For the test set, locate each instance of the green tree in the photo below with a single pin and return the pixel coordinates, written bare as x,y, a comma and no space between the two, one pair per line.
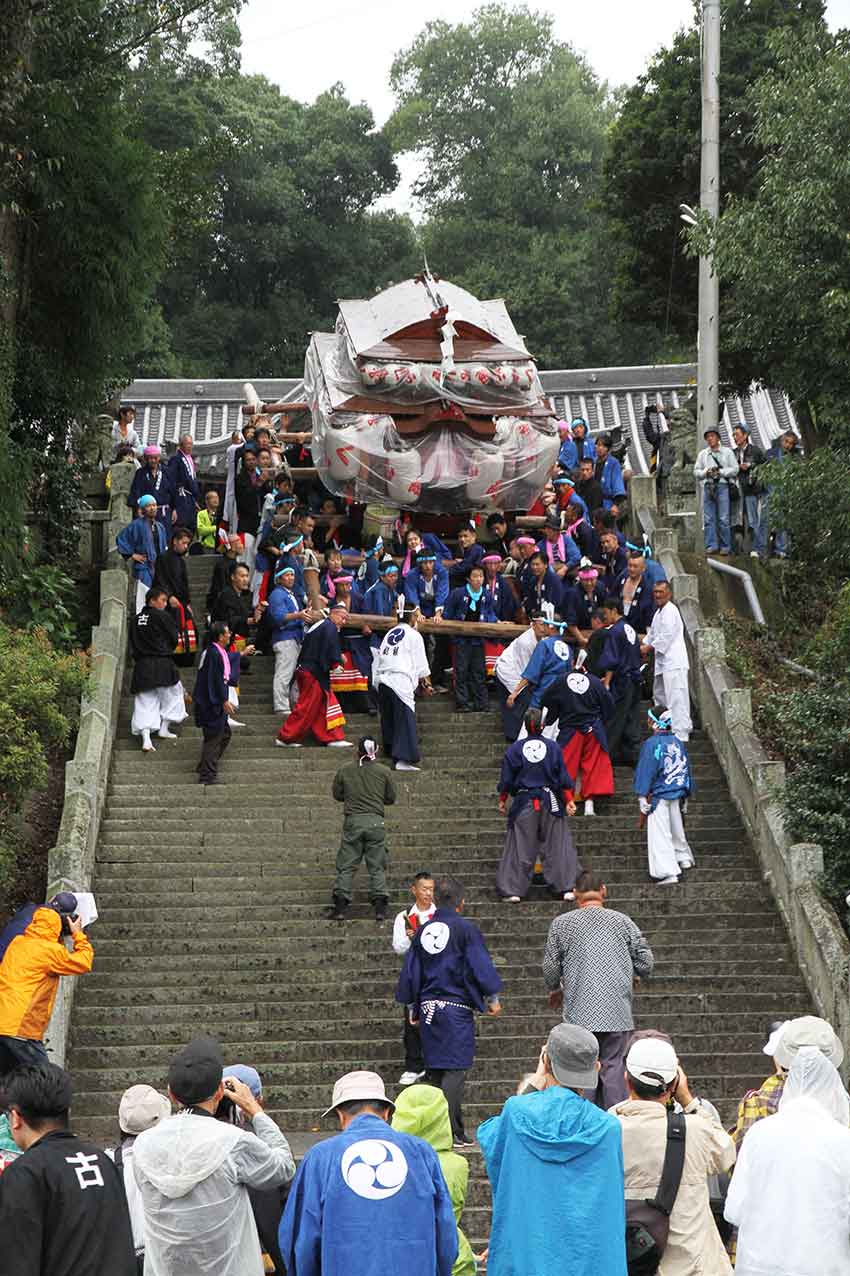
510,127
783,254
273,215
653,160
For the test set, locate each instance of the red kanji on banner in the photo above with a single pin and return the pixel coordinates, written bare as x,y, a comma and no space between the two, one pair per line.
344,454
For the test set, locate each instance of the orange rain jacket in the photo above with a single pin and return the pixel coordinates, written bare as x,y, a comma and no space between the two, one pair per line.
29,974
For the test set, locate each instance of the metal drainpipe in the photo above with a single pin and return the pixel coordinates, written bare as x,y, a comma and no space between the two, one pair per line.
755,607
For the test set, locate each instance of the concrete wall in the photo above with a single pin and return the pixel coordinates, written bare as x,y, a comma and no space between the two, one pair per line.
756,783
70,864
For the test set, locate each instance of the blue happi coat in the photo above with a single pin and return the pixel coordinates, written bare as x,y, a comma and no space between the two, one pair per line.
414,592
551,659
502,598
448,958
187,493
282,604
663,769
142,537
577,607
620,656
555,1164
534,592
461,606
370,1201
568,457
472,556
642,607
533,770
380,599
579,702
160,487
611,479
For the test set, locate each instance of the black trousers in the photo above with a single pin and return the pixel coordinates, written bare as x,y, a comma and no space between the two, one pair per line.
451,1081
512,719
623,729
215,742
413,1061
19,1052
470,674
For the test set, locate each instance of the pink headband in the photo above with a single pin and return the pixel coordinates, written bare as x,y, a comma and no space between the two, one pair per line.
526,540
343,580
589,573
563,427
492,558
152,450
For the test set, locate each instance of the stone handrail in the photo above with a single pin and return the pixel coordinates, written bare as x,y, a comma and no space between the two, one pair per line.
756,783
70,864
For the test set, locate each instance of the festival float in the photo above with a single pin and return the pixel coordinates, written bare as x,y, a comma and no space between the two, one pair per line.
426,399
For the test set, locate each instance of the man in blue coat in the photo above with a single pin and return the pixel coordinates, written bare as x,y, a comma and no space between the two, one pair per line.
371,1201
447,975
210,698
609,472
142,541
550,660
151,479
619,667
540,786
663,782
184,483
555,1164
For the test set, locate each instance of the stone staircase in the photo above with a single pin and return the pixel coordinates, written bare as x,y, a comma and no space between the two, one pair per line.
212,920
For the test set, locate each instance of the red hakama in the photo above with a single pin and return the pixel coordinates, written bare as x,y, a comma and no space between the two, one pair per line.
584,755
317,713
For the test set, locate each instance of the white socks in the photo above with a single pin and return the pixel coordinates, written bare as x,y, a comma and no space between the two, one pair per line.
147,747
588,807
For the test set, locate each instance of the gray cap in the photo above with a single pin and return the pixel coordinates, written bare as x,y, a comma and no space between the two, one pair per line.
366,1087
573,1054
808,1030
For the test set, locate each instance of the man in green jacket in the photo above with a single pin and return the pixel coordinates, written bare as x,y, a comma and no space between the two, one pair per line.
365,787
424,1111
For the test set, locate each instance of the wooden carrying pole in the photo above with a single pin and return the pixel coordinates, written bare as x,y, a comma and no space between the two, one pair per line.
451,628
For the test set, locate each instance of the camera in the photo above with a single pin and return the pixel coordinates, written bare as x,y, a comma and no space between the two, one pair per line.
67,918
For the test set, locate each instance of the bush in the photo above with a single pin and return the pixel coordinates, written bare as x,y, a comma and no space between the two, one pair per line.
44,598
40,691
810,499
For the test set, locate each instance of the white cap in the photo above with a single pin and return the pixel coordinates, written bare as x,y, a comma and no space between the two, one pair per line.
769,1048
808,1030
142,1107
652,1061
363,1087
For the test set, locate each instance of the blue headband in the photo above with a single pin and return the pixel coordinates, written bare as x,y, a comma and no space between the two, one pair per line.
388,567
646,550
660,722
426,558
379,544
293,544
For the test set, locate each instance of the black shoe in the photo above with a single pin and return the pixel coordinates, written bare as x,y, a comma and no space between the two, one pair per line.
463,708
380,910
337,911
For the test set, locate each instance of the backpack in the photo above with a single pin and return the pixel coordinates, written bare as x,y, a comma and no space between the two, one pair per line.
648,1222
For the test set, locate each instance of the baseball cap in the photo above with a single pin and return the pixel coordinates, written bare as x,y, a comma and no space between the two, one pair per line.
775,1032
247,1075
573,1054
63,902
652,1061
712,429
808,1030
196,1071
142,1107
359,1087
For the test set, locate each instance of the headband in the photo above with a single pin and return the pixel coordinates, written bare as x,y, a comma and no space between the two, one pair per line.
293,544
388,567
146,500
343,580
663,721
426,558
589,573
562,479
370,749
281,571
645,550
492,558
526,540
152,450
379,545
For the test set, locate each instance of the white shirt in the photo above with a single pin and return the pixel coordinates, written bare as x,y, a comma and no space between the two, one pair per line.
400,663
193,1173
400,941
722,461
514,659
666,637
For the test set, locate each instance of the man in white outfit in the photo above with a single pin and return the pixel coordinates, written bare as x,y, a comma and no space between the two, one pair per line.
509,670
399,668
666,637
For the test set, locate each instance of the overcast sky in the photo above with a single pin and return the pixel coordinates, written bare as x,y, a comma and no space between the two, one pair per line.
306,48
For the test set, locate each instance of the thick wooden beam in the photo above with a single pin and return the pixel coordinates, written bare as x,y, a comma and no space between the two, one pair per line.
502,631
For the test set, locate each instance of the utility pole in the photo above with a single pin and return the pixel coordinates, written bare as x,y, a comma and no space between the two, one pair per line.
708,338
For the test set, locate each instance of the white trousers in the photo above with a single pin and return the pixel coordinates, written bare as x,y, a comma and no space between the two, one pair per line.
670,689
250,554
285,659
667,845
152,709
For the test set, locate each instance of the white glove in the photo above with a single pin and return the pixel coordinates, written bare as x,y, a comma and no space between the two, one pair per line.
645,806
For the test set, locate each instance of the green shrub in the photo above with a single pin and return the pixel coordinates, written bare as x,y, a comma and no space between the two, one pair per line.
810,499
42,597
40,691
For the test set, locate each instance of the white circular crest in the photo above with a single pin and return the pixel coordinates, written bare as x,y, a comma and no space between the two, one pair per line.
394,637
630,633
374,1168
578,682
534,750
561,650
435,936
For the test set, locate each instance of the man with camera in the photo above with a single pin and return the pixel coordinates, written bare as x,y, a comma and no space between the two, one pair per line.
32,965
716,468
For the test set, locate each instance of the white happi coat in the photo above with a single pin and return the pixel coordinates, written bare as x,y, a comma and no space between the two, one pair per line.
400,663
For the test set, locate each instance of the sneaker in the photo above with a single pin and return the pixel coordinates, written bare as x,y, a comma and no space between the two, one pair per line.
754,553
340,744
234,722
589,808
406,766
164,734
668,881
410,1078
287,744
569,894
513,899
464,1143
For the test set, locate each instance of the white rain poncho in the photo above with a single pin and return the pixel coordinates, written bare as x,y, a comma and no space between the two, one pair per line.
790,1193
192,1173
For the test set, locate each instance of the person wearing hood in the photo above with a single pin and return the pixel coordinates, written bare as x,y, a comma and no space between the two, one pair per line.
555,1164
790,1193
194,1172
32,965
422,1110
372,1200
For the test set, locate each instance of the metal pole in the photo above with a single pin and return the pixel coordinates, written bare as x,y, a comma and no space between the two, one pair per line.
708,366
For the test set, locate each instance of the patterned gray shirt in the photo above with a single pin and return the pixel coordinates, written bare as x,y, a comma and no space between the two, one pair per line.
594,954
